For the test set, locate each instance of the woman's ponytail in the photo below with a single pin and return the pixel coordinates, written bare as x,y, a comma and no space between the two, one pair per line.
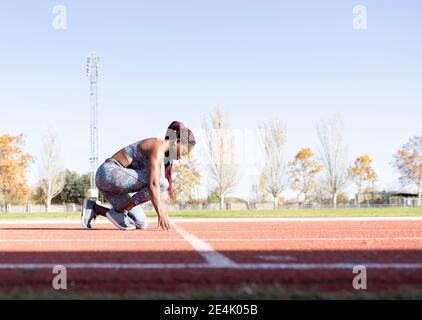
176,131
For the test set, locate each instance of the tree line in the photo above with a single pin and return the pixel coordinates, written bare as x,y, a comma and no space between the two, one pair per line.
312,175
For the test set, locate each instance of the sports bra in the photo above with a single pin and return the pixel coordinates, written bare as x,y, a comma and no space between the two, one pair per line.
137,160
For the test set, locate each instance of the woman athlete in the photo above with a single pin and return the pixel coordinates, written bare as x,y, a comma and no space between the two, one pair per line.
137,169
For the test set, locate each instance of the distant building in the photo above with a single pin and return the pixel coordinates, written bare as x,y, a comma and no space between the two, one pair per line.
400,199
403,199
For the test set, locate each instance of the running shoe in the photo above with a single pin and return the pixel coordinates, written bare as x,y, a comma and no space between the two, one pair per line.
138,216
88,213
120,220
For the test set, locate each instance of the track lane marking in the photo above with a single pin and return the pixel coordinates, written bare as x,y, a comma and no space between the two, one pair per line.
205,250
207,246
237,266
207,220
276,258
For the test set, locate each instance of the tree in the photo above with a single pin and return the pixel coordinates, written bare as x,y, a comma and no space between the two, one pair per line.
333,153
273,179
213,196
186,178
220,145
408,161
75,188
37,195
361,173
14,164
303,170
51,172
342,198
320,196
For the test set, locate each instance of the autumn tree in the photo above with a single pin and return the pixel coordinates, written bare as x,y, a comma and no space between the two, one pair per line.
408,162
52,175
273,178
333,153
220,146
362,173
302,171
186,177
14,163
342,198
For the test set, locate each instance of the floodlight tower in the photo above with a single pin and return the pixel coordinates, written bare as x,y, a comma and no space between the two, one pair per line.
92,69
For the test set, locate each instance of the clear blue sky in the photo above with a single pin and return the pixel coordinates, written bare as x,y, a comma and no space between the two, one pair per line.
300,61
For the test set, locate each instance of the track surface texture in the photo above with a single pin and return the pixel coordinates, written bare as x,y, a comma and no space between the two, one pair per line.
316,255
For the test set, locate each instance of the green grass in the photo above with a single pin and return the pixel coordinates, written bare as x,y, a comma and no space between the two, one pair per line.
355,212
52,215
247,292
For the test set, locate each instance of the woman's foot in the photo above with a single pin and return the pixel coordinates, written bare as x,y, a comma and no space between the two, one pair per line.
120,220
88,213
138,216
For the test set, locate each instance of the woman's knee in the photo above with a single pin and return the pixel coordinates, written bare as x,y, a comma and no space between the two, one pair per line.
105,179
143,195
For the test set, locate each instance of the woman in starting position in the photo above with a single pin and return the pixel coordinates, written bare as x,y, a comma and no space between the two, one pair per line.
137,169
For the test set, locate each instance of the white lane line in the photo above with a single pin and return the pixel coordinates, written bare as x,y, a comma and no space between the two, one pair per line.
299,219
207,220
88,240
51,221
205,250
276,258
238,266
320,239
325,239
327,266
214,240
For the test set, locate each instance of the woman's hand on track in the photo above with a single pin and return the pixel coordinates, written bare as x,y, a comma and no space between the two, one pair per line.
164,223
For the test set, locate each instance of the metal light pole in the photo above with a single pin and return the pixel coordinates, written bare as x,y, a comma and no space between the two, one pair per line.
92,68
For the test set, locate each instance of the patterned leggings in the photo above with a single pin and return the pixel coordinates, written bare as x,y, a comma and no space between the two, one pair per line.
118,183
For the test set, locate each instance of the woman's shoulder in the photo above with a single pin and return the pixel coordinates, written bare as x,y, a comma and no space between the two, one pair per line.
148,145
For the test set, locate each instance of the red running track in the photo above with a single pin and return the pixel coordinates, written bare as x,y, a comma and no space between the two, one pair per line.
213,255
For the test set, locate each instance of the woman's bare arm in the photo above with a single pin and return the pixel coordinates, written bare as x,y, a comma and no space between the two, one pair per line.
155,161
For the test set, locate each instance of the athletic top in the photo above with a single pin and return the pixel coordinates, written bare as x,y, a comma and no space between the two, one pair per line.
137,160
